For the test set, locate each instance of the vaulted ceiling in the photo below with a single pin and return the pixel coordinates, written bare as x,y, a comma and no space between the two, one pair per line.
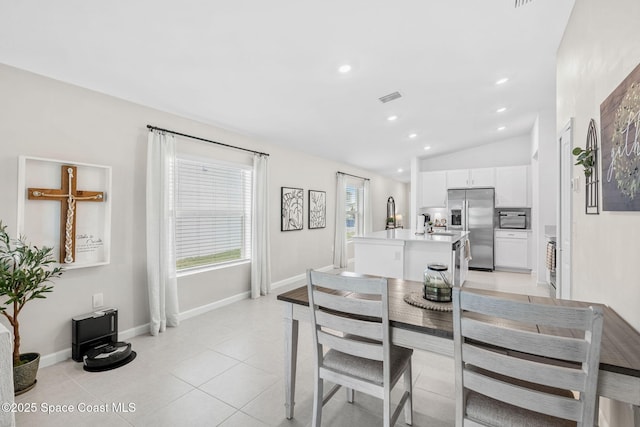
270,69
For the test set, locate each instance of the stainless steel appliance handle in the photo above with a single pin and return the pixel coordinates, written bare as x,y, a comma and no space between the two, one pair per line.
465,209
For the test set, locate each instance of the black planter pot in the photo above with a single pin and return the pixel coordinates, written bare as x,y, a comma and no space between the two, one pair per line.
24,375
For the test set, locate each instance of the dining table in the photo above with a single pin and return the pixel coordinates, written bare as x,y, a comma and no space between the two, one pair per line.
432,330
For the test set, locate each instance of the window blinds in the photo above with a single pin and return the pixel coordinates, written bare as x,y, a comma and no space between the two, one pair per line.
213,213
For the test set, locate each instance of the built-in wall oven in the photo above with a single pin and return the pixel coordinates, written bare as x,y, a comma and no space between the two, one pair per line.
513,219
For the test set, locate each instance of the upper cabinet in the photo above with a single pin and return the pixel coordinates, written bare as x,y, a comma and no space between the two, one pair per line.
458,178
512,187
483,177
512,184
433,189
469,178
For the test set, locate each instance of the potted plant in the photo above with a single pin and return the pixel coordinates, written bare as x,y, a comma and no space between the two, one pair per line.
25,274
585,157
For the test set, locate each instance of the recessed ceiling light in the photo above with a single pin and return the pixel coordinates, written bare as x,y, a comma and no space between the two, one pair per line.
501,81
427,147
400,170
392,118
413,135
344,68
501,110
502,128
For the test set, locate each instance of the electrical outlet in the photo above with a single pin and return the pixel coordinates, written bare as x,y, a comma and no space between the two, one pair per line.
98,300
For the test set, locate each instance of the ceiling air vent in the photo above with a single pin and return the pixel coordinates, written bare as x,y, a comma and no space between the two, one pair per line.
521,2
390,97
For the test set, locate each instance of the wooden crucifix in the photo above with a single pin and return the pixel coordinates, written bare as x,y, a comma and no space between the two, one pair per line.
67,195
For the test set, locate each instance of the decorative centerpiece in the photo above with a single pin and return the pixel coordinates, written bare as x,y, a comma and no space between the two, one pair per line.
24,273
437,286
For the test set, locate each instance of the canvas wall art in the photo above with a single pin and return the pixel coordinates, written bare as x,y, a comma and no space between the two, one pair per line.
620,120
317,209
292,204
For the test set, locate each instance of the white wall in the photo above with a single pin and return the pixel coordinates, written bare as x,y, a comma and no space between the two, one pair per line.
508,152
42,117
545,183
599,49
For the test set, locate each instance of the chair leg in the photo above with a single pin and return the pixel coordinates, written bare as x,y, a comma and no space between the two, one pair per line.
386,405
408,387
317,402
350,394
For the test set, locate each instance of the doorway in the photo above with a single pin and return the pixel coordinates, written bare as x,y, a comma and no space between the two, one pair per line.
565,213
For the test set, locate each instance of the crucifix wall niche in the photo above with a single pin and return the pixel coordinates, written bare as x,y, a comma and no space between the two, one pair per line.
68,196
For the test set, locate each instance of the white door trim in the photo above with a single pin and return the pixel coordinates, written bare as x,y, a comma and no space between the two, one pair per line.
565,213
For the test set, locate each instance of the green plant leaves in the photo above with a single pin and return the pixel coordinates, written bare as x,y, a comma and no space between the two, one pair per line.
586,158
25,273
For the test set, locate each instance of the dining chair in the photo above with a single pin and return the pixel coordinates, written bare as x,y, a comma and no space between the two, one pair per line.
352,343
524,364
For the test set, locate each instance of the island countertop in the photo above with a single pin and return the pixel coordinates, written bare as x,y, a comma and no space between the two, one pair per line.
402,254
407,235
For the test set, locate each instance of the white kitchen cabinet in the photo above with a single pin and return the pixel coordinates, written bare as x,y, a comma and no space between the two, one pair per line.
433,189
512,249
469,178
482,177
458,178
512,187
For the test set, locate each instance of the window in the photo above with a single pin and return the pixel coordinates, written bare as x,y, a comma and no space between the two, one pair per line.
213,213
354,210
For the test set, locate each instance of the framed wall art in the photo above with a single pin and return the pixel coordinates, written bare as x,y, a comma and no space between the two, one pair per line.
292,207
317,209
620,121
66,205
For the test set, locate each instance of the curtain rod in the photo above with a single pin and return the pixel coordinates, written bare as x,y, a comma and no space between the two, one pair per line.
205,140
355,176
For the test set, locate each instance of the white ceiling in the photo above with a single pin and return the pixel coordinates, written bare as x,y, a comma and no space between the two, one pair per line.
268,69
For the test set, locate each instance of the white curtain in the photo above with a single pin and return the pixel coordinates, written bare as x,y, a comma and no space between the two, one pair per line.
260,261
161,263
367,206
340,240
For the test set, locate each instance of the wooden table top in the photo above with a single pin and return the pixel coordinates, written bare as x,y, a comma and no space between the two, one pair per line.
620,347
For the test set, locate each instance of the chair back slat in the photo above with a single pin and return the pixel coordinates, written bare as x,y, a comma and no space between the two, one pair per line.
500,352
556,406
537,314
528,370
349,305
362,285
360,328
373,351
564,348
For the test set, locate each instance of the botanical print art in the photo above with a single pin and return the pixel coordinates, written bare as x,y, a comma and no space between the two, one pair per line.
317,209
620,118
292,208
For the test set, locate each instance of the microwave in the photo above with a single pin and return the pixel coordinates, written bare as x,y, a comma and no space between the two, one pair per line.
513,219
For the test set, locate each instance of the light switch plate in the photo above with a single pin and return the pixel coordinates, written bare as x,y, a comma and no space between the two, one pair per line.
98,300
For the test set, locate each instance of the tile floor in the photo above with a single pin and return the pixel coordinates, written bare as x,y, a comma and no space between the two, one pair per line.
225,368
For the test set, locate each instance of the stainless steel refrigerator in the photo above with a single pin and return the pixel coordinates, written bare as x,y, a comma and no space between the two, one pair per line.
473,209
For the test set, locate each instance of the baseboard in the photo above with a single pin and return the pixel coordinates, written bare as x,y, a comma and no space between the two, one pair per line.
53,358
298,278
212,306
513,270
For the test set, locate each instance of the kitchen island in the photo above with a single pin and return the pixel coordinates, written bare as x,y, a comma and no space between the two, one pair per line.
402,254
